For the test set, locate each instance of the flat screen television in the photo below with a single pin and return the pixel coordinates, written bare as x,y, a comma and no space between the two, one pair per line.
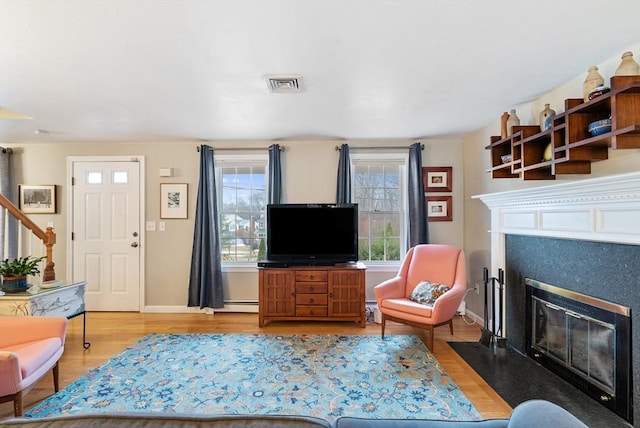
312,234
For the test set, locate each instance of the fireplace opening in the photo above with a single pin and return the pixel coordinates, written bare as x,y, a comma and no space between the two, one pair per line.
585,340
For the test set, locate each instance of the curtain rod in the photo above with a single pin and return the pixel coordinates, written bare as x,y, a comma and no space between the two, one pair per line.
241,148
378,147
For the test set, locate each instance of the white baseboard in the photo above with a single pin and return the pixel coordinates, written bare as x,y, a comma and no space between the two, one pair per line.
191,310
252,309
246,308
477,319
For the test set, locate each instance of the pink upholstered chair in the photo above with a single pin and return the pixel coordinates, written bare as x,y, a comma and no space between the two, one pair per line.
29,348
438,264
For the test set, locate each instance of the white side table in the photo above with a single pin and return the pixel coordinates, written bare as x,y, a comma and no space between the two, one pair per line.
66,300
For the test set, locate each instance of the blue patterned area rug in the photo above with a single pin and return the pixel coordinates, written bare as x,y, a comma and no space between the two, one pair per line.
325,376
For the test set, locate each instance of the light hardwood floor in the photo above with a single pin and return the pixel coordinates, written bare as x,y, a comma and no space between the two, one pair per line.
109,333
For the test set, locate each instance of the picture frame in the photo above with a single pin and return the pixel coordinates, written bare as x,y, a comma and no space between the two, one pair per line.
437,178
174,200
38,199
439,208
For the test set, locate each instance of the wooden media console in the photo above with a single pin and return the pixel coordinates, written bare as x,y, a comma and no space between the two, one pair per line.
317,293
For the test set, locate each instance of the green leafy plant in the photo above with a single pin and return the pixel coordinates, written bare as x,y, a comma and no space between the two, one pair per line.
20,266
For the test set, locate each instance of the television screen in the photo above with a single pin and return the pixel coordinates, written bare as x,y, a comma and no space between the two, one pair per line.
312,234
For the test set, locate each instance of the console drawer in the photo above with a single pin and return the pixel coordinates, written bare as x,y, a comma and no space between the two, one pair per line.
311,299
311,311
312,275
311,288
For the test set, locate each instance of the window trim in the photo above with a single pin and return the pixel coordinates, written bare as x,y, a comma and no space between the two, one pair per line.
226,160
402,159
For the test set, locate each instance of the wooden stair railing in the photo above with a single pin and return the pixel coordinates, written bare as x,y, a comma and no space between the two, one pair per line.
48,236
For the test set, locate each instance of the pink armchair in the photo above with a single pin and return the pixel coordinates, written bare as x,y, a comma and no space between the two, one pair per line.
29,348
440,264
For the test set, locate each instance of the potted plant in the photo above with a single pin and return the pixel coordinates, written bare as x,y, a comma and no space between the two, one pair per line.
14,272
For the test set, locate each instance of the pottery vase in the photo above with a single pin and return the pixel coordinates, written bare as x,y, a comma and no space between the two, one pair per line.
503,125
628,66
513,120
544,115
13,284
593,79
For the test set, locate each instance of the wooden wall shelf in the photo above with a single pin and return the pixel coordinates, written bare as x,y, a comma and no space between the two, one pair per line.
573,147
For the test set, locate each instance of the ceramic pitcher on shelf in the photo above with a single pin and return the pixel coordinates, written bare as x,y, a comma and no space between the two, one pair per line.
593,79
544,117
628,66
513,120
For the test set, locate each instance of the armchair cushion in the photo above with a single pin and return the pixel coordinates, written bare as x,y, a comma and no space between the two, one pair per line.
34,355
427,292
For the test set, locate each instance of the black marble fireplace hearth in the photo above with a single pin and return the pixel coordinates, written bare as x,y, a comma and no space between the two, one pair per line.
518,378
604,270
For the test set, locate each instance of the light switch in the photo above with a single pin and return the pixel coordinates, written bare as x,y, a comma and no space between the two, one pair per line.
161,226
151,226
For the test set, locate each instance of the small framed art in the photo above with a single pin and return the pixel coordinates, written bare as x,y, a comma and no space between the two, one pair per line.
39,199
437,178
439,208
174,200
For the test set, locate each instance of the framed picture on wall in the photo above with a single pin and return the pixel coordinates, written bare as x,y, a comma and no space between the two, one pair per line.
437,178
39,199
439,208
174,200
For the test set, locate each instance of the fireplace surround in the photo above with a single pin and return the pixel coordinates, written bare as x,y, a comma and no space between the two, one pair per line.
582,236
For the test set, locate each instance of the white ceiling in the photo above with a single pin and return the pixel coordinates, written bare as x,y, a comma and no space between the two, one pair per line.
187,70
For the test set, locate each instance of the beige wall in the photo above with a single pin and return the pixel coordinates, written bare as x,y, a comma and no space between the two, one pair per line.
309,175
477,181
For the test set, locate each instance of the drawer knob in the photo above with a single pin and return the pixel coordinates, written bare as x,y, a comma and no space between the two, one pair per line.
311,288
311,277
312,301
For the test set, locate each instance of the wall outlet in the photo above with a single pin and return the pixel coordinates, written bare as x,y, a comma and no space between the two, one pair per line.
476,288
151,226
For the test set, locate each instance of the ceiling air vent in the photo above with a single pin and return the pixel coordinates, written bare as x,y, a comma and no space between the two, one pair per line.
284,83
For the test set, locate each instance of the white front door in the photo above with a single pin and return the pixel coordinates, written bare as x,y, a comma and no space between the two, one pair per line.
105,245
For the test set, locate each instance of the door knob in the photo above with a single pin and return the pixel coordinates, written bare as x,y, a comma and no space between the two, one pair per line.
134,244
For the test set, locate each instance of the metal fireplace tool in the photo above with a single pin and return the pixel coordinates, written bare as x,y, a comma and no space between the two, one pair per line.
493,336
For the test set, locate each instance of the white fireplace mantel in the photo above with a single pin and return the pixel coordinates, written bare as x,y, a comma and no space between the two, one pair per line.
603,209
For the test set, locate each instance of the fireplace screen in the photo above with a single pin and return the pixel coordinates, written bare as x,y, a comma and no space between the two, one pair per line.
584,345
583,339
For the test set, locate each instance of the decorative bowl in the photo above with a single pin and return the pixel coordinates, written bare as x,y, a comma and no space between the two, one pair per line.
506,158
599,127
597,91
